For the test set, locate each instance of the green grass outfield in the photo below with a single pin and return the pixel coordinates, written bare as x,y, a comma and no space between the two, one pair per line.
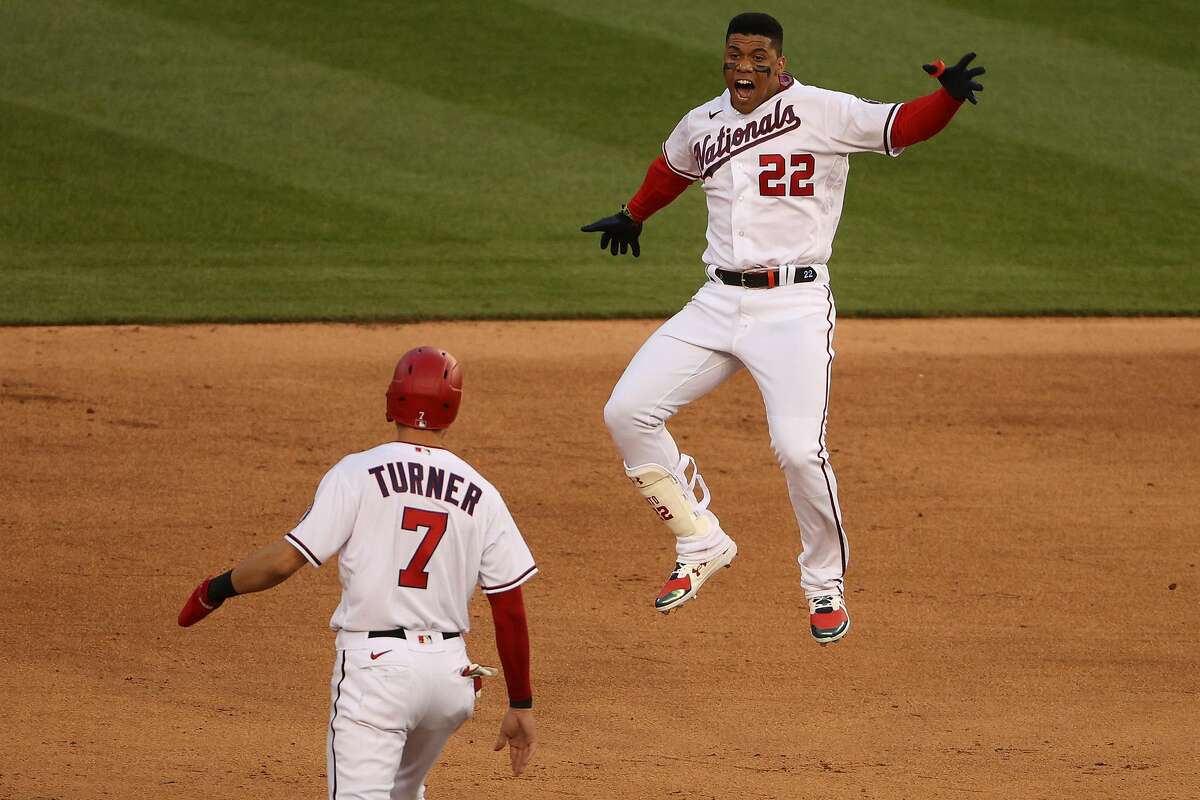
225,160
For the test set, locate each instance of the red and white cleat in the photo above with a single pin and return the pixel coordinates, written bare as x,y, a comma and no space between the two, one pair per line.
687,579
828,618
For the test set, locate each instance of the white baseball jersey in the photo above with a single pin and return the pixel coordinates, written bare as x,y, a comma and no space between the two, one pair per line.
775,178
415,529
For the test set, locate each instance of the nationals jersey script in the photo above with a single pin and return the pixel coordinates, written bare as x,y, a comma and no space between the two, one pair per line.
415,529
775,178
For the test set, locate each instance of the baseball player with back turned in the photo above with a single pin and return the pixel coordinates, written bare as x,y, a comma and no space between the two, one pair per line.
771,156
414,528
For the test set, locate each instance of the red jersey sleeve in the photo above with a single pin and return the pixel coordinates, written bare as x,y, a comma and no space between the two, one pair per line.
923,118
512,643
661,186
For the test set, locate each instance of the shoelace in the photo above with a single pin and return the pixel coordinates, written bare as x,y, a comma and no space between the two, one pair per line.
823,602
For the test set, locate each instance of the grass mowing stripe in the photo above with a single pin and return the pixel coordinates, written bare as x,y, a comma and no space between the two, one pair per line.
56,164
329,282
1163,30
571,85
308,124
352,290
1022,204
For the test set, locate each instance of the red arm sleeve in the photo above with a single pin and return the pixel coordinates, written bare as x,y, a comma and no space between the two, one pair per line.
921,119
661,186
512,642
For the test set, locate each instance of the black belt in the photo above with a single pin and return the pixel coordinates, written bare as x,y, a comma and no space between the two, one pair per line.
398,633
766,279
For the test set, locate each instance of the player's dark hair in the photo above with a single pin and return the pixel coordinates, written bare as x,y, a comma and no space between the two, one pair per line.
755,24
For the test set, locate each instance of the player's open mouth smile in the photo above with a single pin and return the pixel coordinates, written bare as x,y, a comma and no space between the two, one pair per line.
743,89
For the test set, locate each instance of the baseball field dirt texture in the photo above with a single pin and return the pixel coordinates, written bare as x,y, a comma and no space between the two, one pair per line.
1020,497
221,223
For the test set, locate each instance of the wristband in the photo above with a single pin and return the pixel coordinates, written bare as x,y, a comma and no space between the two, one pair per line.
521,704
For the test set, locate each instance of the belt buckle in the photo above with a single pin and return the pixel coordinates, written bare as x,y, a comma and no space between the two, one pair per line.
742,279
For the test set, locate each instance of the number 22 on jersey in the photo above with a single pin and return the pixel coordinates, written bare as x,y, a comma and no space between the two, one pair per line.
770,183
414,575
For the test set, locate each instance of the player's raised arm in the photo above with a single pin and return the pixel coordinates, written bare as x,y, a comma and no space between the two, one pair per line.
925,117
958,80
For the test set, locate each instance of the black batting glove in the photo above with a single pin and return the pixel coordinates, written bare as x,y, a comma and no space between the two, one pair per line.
958,80
618,233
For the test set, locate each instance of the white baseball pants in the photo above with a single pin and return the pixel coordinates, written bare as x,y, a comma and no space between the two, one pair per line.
395,703
784,336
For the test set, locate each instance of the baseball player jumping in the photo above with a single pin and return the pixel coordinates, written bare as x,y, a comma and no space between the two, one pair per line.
414,528
771,156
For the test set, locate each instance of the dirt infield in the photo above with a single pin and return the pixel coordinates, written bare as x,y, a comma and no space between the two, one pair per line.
1021,498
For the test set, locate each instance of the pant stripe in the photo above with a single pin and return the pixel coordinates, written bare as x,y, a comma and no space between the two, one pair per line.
824,418
332,732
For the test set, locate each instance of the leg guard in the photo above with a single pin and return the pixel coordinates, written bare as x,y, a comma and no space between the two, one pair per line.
672,495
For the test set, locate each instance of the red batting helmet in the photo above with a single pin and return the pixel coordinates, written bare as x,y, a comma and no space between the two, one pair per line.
425,390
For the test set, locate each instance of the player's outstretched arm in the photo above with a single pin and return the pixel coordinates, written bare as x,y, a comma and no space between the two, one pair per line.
958,80
517,729
925,117
269,566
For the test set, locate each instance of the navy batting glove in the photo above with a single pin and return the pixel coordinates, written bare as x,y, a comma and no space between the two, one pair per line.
958,80
618,233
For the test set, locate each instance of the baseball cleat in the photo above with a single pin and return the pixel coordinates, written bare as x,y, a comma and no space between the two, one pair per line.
197,606
828,618
687,579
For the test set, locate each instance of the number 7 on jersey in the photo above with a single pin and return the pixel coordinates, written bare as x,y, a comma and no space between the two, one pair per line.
414,575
